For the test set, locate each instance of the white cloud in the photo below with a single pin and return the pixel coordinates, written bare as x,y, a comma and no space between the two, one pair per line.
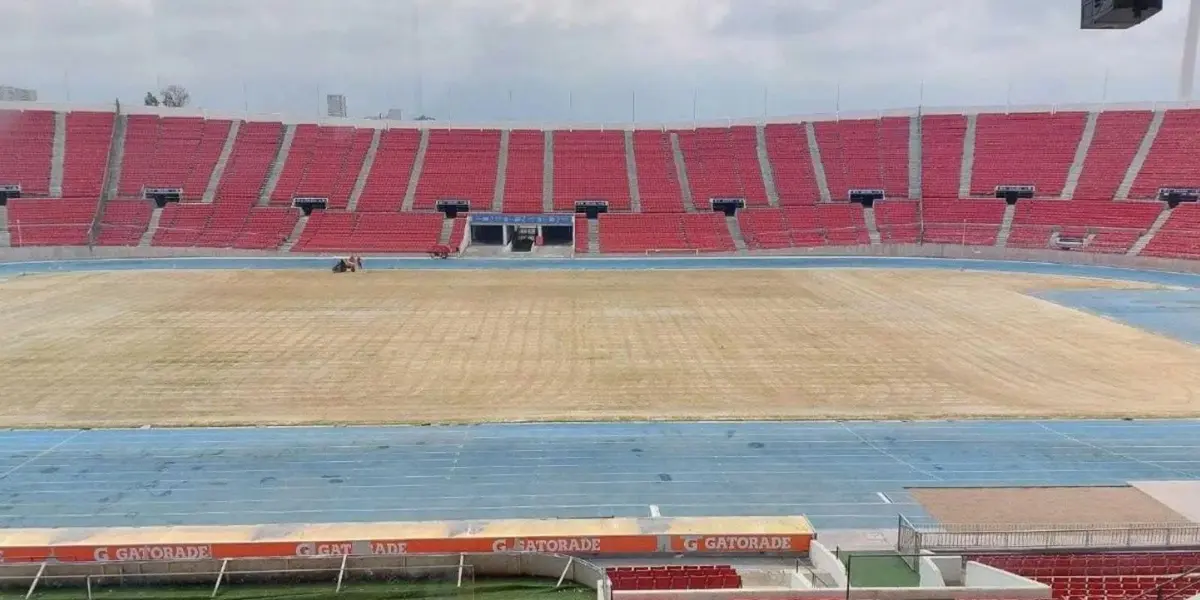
583,59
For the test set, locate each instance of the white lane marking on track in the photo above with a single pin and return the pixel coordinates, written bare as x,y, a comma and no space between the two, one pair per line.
884,497
654,512
1072,438
889,454
42,453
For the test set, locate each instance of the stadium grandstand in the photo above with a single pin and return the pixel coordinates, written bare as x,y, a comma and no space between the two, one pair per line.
940,353
1090,179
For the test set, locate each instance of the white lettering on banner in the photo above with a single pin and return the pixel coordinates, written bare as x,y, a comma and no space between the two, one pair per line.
105,553
556,545
337,549
389,547
755,543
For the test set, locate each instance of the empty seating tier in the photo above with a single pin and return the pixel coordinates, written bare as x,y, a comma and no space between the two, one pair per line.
804,226
460,164
323,162
1174,159
722,163
658,181
791,162
941,154
387,182
899,222
639,233
1114,144
971,222
1086,576
1179,236
674,577
1025,149
590,165
26,148
170,152
370,232
50,221
225,225
523,179
89,135
254,149
865,154
124,222
1111,227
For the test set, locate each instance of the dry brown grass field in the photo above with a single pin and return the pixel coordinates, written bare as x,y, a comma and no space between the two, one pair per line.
293,347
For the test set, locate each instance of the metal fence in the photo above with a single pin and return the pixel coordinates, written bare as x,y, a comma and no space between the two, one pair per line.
912,539
437,575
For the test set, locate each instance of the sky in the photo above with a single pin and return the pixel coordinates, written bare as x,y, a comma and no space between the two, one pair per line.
585,60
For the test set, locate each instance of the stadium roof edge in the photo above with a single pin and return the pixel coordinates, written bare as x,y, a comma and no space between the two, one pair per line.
616,125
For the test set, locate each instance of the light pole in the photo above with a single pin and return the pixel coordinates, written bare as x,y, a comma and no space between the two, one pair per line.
1187,78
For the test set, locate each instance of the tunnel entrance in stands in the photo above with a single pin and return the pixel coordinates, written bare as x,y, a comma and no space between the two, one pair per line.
9,191
521,233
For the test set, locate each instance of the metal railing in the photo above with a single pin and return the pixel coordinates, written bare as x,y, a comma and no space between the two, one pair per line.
912,539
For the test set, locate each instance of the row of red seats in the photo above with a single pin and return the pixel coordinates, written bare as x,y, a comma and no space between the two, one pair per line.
675,577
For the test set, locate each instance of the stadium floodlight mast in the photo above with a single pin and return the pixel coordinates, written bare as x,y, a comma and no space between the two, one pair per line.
1187,77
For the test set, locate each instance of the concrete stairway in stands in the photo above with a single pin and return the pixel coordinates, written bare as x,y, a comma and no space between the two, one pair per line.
447,229
1143,241
968,158
112,174
147,237
501,171
1010,211
1139,159
814,151
294,236
594,237
872,226
735,231
210,192
681,171
548,173
410,194
635,195
59,156
914,156
5,239
364,172
281,156
764,164
1085,144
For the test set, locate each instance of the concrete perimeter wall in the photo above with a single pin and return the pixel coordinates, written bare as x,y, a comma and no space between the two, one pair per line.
310,569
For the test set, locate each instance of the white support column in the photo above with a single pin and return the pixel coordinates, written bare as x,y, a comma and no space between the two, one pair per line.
220,576
1187,78
341,574
462,560
36,579
89,586
566,569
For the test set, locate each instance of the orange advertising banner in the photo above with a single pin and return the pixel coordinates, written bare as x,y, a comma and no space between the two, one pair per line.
741,544
632,544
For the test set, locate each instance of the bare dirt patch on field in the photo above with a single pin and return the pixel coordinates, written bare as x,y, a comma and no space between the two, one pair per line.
262,347
1109,506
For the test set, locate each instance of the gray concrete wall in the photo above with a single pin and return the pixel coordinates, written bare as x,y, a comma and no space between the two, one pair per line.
306,569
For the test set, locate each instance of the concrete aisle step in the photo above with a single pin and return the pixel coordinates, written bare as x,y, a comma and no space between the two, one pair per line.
281,156
1085,144
967,167
872,226
764,165
1139,159
1144,241
548,173
681,173
635,195
365,171
414,176
214,180
501,172
814,152
148,236
58,157
1006,225
294,236
915,139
